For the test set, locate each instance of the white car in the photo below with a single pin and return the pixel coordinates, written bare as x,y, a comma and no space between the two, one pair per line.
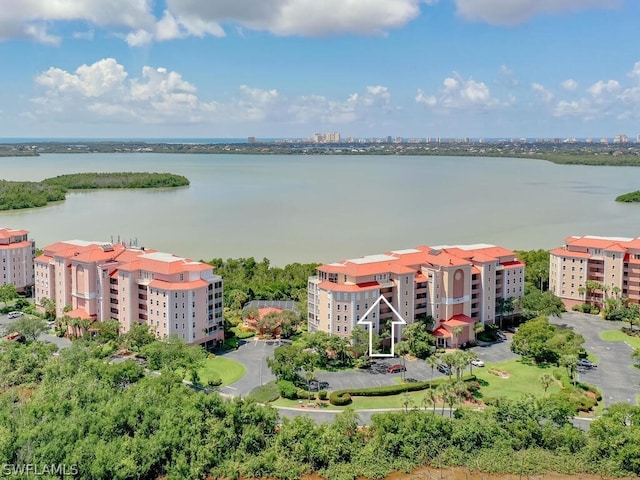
477,363
14,314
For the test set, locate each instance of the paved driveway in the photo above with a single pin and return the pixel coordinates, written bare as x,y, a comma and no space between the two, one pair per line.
253,355
615,375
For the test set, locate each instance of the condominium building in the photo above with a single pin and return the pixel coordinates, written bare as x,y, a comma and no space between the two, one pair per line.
99,281
457,286
16,258
612,262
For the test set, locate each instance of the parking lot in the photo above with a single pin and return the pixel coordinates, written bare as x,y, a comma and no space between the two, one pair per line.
5,323
615,375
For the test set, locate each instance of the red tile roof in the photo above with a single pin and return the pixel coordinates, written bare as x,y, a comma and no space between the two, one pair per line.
563,252
80,313
441,332
159,284
333,287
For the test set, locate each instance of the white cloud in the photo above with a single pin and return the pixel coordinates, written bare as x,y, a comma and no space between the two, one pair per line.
542,92
569,85
103,91
602,88
30,19
513,12
303,17
603,99
134,20
459,93
635,72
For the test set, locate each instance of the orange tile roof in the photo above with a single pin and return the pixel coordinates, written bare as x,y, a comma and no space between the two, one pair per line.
11,246
42,259
513,264
458,321
80,313
484,258
326,285
159,284
563,252
441,332
461,317
8,233
475,269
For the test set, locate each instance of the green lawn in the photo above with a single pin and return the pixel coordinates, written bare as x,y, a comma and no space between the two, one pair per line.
523,378
219,367
619,336
365,403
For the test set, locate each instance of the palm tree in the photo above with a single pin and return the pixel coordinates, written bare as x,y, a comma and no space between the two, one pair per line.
546,379
456,333
433,362
470,357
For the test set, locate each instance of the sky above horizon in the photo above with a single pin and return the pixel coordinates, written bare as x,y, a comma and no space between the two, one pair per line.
289,68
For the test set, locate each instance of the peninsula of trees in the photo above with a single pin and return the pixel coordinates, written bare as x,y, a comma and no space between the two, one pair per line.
16,195
631,197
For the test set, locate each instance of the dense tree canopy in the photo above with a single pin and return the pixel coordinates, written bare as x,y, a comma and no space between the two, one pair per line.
17,195
544,342
246,280
114,422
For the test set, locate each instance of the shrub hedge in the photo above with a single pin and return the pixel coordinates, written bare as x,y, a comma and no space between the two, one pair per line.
388,389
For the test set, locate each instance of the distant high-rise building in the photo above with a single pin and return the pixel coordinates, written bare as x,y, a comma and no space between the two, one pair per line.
251,140
621,138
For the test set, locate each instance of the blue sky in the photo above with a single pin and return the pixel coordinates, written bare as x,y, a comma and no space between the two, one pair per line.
289,68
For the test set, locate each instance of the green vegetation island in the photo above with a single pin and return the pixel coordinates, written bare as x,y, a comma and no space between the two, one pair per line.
573,153
16,195
631,197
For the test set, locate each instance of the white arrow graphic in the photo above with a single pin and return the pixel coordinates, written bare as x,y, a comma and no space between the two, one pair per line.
399,321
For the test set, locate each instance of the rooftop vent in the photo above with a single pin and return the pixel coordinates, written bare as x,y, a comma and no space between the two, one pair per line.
434,252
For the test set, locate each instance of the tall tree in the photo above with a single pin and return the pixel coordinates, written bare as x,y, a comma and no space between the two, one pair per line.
8,292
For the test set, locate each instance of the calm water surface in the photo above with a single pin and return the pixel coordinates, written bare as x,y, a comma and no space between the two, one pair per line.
325,208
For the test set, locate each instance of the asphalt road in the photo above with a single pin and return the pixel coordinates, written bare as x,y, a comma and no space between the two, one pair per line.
253,355
615,374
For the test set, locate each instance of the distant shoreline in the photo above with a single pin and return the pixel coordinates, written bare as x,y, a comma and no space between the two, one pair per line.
596,154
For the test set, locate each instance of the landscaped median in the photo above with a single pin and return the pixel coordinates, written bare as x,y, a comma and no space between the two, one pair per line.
343,397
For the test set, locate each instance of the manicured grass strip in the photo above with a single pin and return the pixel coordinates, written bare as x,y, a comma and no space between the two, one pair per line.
366,403
523,378
219,367
266,393
619,336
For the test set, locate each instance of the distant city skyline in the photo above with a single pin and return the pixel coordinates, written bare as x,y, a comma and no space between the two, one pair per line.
289,68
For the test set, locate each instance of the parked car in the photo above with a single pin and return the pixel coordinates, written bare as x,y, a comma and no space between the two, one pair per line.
477,363
14,314
500,334
512,329
442,368
397,368
584,363
316,386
